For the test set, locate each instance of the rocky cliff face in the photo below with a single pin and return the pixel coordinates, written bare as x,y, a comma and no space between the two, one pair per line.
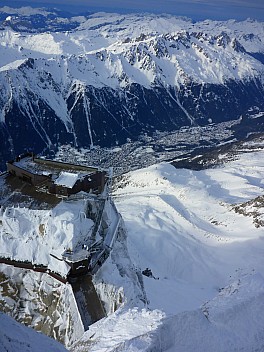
114,78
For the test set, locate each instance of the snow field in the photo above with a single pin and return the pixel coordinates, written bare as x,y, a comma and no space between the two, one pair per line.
181,226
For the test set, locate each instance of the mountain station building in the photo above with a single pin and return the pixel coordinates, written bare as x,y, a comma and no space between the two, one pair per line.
57,177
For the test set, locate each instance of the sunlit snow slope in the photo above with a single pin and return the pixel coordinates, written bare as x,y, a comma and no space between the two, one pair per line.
206,258
15,337
181,225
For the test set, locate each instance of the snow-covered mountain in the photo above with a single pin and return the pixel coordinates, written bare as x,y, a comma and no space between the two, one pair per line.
101,79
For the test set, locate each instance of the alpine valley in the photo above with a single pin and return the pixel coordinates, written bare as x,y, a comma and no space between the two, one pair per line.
104,80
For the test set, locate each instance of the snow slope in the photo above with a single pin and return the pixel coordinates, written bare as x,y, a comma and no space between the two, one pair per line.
16,337
207,261
182,227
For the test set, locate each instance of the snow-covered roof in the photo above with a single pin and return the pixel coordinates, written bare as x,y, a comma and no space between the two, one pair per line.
67,179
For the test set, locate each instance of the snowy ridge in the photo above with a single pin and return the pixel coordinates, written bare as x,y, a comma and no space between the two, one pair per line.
196,52
25,11
97,80
210,52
